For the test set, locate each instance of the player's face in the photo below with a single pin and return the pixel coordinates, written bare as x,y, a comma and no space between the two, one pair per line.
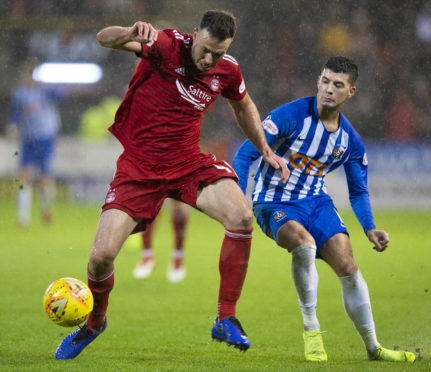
333,89
207,50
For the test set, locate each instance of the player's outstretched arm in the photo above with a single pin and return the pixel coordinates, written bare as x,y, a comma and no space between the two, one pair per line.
379,238
249,120
127,38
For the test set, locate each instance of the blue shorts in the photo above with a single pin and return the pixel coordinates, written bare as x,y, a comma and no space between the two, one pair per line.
317,214
38,154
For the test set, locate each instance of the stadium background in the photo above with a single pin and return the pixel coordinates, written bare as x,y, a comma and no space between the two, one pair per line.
281,46
160,327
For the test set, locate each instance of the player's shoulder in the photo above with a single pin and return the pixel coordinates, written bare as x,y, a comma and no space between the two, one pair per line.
229,60
297,109
227,65
356,143
349,128
175,37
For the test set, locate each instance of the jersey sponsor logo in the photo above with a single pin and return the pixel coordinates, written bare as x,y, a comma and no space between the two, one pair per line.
270,126
242,87
311,167
279,215
181,71
365,160
215,85
193,95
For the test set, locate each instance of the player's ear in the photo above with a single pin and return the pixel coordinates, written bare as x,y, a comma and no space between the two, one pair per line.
195,32
352,91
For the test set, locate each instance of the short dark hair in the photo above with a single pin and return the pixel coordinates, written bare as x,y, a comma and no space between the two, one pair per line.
345,65
219,23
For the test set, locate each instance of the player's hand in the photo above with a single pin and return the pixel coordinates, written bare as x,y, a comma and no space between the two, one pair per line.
379,238
278,163
142,32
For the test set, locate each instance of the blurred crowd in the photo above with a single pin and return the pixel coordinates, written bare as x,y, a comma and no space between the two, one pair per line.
281,46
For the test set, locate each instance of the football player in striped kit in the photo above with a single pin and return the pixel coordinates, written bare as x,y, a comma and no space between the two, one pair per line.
315,138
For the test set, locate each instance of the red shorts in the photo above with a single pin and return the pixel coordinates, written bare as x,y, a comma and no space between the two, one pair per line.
142,198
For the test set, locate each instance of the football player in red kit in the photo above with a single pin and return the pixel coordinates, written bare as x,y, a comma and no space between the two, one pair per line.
158,123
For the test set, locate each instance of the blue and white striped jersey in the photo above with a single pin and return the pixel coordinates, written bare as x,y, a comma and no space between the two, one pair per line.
34,110
295,132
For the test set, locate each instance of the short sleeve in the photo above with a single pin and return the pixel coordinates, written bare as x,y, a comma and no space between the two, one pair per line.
157,48
235,87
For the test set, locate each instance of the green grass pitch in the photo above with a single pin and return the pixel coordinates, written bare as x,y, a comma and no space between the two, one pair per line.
157,326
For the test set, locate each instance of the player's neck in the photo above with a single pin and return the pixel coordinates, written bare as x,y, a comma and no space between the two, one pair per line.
330,119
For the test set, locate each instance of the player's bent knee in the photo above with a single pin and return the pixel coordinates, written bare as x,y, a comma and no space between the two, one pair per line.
347,268
101,261
241,219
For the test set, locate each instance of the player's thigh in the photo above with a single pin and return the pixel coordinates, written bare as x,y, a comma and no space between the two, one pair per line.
178,208
113,229
292,234
284,222
337,252
224,201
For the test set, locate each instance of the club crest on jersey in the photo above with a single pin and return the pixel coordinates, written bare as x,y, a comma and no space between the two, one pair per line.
338,152
270,126
279,215
215,85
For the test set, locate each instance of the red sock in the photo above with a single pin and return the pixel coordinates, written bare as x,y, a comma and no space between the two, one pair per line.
234,255
100,287
179,221
147,236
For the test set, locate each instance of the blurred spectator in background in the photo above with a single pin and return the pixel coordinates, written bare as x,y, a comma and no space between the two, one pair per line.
334,37
96,119
402,117
422,91
35,120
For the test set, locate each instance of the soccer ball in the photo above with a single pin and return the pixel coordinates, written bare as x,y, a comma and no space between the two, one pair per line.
68,302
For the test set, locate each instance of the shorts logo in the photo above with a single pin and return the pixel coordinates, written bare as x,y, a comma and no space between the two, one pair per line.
279,215
110,197
270,126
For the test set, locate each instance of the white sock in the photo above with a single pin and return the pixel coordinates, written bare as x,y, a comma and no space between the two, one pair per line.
178,253
306,279
147,253
357,304
24,204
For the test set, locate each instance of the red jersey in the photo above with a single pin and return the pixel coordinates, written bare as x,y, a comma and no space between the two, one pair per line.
158,121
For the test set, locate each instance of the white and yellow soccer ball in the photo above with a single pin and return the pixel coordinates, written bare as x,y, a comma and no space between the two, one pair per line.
68,302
